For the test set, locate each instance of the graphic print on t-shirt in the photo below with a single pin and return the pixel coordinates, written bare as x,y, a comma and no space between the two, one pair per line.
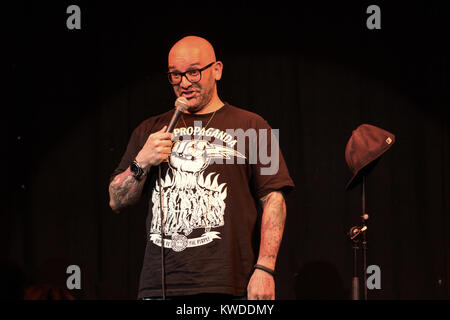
191,200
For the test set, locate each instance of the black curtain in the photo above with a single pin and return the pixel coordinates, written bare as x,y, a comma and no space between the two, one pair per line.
314,71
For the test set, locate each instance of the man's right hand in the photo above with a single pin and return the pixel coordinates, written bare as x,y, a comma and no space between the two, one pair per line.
156,149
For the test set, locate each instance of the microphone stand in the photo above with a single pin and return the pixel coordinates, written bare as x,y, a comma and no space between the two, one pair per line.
355,278
161,203
354,233
181,104
364,218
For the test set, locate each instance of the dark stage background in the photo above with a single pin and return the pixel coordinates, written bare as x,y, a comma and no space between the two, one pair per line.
312,70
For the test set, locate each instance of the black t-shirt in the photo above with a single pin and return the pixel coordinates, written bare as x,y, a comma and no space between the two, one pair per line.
211,185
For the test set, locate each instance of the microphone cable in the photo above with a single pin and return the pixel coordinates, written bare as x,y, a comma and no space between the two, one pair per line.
161,202
181,104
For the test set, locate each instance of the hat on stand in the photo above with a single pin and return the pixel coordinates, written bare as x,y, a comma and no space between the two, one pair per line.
366,145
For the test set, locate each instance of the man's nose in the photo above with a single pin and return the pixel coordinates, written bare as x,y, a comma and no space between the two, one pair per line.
185,83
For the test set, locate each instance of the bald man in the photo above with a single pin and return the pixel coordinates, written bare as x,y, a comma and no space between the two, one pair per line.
210,213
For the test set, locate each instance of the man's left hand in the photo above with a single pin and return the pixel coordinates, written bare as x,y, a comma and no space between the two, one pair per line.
261,286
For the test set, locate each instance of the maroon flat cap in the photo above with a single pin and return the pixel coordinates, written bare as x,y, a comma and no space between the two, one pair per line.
366,145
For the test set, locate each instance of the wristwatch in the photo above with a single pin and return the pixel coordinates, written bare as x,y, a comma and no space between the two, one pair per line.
136,170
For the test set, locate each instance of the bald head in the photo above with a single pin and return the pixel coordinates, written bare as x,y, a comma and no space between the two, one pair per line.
192,55
191,49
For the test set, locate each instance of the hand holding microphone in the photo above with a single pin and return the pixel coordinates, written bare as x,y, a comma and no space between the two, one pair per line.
158,146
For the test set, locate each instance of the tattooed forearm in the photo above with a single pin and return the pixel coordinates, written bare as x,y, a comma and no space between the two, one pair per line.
124,190
272,226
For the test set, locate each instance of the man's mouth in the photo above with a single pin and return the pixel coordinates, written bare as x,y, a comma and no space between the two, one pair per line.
188,94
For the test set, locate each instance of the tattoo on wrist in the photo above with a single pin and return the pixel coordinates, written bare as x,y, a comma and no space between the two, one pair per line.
124,190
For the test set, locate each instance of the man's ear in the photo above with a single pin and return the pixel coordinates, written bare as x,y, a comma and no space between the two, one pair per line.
217,69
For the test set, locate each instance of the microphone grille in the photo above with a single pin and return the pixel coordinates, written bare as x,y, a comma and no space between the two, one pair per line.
182,104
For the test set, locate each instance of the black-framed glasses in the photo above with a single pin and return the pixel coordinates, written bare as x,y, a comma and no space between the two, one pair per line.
193,75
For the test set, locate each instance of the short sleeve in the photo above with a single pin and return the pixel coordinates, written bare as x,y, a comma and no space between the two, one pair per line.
135,144
270,173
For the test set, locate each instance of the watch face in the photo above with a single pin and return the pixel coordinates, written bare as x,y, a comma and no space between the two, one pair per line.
136,170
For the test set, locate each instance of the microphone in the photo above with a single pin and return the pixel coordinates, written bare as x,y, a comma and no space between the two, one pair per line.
355,231
181,105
